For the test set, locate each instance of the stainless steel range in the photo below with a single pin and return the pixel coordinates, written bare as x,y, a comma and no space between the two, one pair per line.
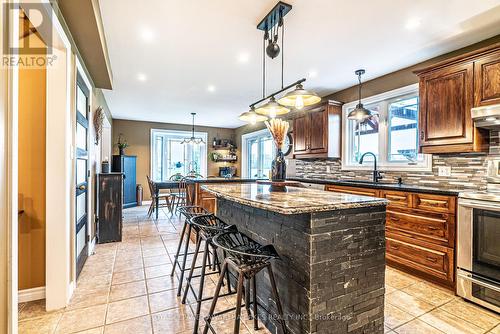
478,241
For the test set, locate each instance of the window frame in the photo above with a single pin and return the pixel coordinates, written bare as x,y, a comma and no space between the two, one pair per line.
186,133
383,162
244,149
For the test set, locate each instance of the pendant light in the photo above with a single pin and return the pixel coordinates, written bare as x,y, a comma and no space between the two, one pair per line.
272,109
360,113
299,98
193,140
252,117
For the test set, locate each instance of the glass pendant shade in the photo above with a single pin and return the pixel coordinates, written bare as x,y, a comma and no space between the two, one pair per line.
272,109
299,98
252,117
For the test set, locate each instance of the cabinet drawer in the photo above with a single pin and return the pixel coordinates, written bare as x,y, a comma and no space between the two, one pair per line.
436,261
435,203
353,190
433,227
397,199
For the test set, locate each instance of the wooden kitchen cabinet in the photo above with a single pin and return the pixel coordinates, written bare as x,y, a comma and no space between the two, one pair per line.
448,91
317,131
420,231
487,80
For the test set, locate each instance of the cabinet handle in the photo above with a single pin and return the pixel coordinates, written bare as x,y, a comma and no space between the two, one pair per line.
433,228
422,135
395,247
431,259
394,219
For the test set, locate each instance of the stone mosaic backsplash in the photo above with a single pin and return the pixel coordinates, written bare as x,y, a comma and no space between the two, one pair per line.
468,171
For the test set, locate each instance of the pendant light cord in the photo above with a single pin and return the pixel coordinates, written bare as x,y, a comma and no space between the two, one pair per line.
359,88
264,66
282,23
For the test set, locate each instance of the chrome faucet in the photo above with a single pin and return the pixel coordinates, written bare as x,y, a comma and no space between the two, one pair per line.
376,174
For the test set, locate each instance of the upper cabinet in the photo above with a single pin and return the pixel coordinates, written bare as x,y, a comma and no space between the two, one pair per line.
448,90
317,131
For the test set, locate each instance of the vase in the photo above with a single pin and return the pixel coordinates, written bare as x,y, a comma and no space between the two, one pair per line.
278,167
121,151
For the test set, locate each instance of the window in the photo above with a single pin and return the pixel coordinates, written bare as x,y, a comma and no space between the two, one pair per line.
258,153
392,134
169,156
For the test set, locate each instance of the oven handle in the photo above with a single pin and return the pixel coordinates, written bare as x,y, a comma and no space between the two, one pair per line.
478,205
480,282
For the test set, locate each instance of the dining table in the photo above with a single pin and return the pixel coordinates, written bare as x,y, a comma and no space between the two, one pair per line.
162,185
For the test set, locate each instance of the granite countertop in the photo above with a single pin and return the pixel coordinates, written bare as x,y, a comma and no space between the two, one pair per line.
381,185
223,180
295,201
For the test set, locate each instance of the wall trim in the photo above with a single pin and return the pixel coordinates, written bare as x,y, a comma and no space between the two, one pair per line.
29,295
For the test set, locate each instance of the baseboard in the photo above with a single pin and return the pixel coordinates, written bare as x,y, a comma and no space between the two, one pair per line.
92,245
28,295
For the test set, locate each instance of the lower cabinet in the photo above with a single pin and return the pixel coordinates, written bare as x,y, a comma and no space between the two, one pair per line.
205,199
420,232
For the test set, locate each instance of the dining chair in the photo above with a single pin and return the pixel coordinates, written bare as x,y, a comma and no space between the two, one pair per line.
166,197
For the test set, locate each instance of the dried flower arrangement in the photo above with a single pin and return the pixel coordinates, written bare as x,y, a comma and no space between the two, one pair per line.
98,122
278,129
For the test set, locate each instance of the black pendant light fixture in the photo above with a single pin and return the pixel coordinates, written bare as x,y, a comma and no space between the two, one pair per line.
193,140
272,24
360,113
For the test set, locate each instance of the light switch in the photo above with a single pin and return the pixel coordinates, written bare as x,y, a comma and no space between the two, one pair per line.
444,171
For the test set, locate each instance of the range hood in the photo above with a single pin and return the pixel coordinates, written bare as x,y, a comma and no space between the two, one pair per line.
487,117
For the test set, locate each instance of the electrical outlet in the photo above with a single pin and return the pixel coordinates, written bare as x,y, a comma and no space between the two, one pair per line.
328,169
444,171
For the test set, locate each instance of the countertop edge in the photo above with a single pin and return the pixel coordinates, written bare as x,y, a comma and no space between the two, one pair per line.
323,208
386,186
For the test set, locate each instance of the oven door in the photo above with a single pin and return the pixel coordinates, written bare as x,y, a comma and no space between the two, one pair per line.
478,252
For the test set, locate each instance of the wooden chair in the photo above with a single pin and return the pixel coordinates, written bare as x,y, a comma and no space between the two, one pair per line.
166,197
183,195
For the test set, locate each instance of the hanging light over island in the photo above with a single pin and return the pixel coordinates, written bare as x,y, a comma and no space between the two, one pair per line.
252,117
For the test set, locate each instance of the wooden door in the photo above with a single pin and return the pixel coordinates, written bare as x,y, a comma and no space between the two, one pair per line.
318,134
446,97
82,168
301,134
487,80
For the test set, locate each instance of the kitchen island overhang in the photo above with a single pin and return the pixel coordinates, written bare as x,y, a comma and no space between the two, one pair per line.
331,273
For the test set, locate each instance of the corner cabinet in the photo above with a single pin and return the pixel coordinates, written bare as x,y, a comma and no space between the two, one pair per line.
448,91
317,131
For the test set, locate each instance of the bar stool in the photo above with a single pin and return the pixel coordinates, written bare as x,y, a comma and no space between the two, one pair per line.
208,227
247,257
188,212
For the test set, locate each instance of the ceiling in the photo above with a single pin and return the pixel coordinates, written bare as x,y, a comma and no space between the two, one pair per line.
171,57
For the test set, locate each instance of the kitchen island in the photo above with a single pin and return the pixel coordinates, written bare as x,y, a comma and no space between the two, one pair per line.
331,273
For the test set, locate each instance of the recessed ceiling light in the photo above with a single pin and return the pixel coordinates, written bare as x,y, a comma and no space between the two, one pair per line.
142,77
413,23
211,88
243,57
312,74
147,34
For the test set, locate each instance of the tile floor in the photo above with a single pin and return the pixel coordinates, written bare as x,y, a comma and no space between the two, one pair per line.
126,288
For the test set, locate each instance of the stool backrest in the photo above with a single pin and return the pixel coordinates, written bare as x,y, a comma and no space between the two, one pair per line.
211,224
191,211
243,248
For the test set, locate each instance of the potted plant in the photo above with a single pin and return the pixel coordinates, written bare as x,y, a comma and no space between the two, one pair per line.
121,144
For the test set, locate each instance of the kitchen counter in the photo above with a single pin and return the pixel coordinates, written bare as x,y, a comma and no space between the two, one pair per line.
223,180
381,185
331,271
296,200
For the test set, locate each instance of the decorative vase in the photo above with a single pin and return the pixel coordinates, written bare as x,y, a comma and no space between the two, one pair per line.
278,167
121,151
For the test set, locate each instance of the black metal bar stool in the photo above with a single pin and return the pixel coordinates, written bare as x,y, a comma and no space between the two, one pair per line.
208,226
247,257
188,212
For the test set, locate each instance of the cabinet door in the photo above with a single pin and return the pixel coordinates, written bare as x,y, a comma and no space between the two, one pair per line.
318,132
129,182
300,133
353,190
446,97
487,80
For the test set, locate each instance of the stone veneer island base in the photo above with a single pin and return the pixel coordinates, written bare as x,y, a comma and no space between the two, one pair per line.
331,273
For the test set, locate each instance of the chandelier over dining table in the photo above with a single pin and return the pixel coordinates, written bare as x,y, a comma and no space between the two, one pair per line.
272,105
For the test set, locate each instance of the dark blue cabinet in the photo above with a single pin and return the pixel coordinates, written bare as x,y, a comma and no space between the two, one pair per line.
126,164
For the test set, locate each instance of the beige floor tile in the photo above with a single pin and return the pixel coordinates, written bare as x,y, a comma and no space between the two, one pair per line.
141,325
33,309
172,321
408,303
472,313
128,276
154,252
417,326
157,271
42,325
98,330
164,300
127,309
127,290
399,280
449,323
81,319
161,283
495,330
156,260
128,265
430,293
395,317
82,300
389,289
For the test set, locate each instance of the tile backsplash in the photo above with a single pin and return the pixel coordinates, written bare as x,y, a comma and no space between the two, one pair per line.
468,171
